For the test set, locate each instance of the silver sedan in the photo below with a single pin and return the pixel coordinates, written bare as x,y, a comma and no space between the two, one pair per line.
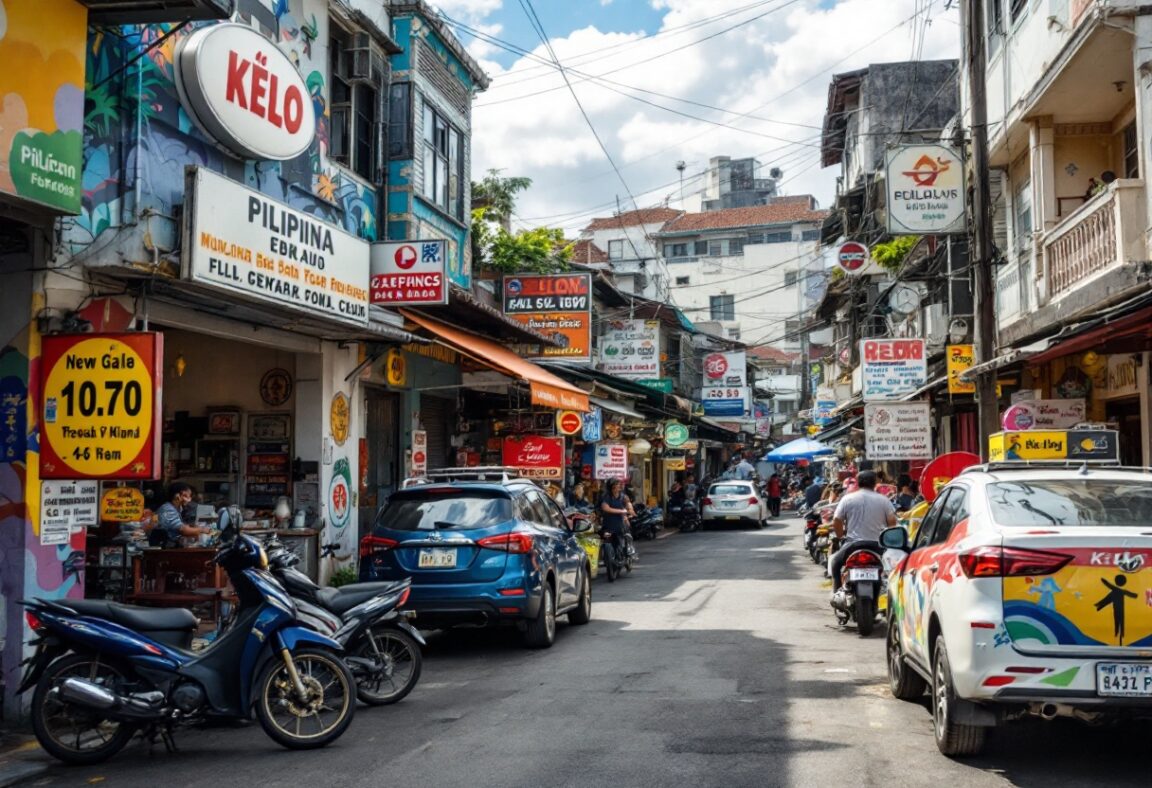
734,501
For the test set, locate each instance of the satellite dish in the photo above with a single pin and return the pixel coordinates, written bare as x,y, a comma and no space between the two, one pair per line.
776,173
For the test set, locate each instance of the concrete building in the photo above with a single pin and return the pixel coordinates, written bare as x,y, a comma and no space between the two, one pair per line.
734,183
633,253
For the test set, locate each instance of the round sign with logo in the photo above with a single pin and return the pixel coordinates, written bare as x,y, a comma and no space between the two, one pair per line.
1019,417
569,422
406,257
675,434
245,93
99,411
852,256
340,416
340,494
715,365
395,367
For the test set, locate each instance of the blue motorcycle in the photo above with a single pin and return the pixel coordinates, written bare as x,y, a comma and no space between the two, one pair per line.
103,671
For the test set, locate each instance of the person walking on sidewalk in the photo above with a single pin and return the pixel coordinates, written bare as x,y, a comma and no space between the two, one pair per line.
774,494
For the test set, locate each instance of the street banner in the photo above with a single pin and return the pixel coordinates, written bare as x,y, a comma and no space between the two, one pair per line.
726,369
960,359
409,273
100,409
611,461
725,400
631,349
898,431
892,368
925,190
535,456
557,305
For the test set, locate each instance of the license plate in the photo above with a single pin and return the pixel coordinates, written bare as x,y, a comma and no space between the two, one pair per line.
731,504
732,517
863,574
437,558
1124,679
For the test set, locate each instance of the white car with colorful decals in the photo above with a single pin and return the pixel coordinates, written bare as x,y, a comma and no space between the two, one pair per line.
1027,591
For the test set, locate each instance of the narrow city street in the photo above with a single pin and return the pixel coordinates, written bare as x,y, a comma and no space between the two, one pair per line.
716,662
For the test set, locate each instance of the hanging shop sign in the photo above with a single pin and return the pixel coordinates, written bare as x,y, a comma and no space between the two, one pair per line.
925,190
395,368
960,359
725,369
725,400
892,368
664,385
43,45
569,422
240,241
535,456
340,494
1092,445
1122,377
898,431
556,305
408,273
244,92
1044,414
611,461
100,409
631,349
122,505
852,257
675,464
593,425
340,416
675,434
419,460
66,507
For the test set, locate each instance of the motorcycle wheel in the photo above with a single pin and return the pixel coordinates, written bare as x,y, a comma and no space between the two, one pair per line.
402,663
610,566
319,719
865,615
72,734
628,561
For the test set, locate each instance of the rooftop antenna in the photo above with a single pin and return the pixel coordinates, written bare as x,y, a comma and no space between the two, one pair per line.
680,167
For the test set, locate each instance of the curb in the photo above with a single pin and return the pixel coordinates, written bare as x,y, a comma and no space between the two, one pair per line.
21,762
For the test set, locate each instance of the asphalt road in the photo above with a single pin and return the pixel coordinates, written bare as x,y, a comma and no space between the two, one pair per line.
716,663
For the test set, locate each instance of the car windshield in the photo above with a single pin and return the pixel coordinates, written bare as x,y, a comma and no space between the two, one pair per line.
730,489
1071,502
455,509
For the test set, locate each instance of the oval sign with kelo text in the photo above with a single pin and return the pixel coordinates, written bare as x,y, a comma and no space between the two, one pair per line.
245,93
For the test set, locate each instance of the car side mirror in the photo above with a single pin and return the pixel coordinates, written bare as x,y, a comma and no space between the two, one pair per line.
581,525
895,539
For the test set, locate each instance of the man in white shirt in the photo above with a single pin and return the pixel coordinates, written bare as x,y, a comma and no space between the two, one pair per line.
744,469
860,517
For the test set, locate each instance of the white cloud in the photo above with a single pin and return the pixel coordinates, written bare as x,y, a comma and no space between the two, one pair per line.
776,68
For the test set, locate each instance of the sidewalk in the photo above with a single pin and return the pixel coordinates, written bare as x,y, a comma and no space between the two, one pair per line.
21,759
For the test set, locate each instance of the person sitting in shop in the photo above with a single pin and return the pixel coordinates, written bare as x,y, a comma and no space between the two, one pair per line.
168,524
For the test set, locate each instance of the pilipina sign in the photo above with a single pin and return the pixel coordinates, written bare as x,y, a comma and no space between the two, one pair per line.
245,93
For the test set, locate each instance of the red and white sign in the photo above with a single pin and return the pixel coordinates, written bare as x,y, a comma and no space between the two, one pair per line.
419,452
944,469
244,92
409,273
534,456
611,461
726,369
569,422
852,256
892,368
715,365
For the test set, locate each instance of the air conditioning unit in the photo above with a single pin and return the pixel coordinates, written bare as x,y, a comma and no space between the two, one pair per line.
366,61
935,325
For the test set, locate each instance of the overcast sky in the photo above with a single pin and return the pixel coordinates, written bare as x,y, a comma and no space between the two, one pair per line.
769,61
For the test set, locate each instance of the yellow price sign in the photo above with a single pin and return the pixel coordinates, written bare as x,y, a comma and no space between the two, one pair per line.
100,408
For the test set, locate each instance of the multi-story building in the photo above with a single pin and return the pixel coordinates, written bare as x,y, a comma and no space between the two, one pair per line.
733,183
633,253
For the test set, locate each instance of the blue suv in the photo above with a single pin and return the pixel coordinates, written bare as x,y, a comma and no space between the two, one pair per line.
482,553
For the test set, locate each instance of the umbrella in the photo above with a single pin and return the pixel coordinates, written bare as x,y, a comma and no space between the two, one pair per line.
799,449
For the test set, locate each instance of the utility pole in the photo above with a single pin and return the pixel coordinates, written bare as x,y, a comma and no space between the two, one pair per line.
983,286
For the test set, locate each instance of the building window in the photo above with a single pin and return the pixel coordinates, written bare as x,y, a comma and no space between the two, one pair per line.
722,307
715,248
615,250
400,120
675,250
792,329
778,238
1017,9
356,73
790,278
682,280
1023,213
700,248
994,19
443,163
1131,152
736,246
733,333
755,238
810,235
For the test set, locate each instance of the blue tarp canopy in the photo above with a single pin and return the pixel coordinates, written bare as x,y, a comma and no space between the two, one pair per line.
799,449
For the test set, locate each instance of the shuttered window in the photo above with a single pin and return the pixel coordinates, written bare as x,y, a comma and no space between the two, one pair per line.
437,415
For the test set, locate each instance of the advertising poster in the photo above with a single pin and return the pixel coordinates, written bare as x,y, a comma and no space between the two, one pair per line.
925,190
725,369
725,400
557,305
898,431
66,507
419,452
960,359
535,457
631,349
892,368
408,273
593,423
1044,414
611,461
1098,445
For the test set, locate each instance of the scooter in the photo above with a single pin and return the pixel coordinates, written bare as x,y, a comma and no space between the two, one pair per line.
103,671
648,522
686,515
383,648
865,585
617,554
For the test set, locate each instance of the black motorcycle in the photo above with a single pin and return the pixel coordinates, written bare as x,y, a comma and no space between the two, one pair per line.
864,582
617,553
685,515
648,522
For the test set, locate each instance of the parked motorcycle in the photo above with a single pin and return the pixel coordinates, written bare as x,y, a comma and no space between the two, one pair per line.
686,515
648,522
383,648
103,671
811,523
617,554
865,583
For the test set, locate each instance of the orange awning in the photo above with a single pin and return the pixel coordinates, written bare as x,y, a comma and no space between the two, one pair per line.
546,389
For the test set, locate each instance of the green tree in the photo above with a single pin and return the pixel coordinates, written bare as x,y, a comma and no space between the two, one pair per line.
540,250
496,196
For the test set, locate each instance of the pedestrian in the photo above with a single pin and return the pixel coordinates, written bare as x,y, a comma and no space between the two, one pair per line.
813,492
744,469
774,494
690,487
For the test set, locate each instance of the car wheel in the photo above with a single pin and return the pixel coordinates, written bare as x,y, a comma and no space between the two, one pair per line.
952,738
541,631
582,613
905,683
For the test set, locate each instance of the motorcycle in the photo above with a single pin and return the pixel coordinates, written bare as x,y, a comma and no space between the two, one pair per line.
649,521
865,587
811,523
686,514
617,554
103,671
383,648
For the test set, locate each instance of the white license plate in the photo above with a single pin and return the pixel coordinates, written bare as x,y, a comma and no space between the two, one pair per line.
731,504
1124,679
437,558
863,574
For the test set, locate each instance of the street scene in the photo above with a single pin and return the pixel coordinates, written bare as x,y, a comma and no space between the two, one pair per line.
499,392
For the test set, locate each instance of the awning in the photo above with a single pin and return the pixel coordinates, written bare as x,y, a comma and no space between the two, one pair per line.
616,407
1128,334
832,433
546,389
1011,357
925,388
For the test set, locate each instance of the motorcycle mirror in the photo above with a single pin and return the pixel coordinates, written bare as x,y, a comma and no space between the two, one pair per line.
581,525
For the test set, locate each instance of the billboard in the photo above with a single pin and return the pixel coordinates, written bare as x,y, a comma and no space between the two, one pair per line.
557,305
925,190
892,368
631,349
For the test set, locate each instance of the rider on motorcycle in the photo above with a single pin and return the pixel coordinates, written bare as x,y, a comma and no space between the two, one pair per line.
614,510
863,514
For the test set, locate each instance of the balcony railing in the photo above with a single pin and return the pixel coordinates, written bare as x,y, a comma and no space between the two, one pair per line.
1106,231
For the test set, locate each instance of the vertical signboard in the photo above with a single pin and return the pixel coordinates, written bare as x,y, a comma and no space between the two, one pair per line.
557,305
925,190
631,349
898,431
892,368
960,359
408,273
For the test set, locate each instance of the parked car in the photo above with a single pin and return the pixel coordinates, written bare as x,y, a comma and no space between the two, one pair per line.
482,553
1026,592
733,501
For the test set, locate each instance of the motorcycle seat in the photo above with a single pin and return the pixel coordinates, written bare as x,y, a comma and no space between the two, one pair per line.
341,600
140,619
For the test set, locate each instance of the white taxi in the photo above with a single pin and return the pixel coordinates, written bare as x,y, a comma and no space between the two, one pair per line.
1027,592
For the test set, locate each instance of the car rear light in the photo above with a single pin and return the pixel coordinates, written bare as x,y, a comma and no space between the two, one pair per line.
512,610
34,621
998,681
1011,562
1025,669
707,502
374,544
515,542
862,559
512,592
753,500
403,597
